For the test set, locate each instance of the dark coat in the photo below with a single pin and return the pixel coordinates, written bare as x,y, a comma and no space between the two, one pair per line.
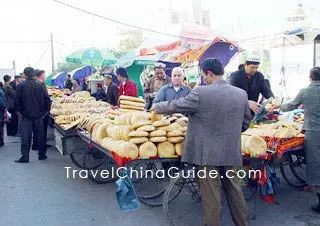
253,89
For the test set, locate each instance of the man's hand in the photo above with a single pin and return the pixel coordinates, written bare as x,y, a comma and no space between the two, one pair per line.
254,106
153,107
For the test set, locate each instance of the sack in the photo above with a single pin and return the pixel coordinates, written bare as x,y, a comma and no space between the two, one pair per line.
6,116
126,195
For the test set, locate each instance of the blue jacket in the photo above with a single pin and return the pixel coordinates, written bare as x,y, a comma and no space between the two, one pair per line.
2,103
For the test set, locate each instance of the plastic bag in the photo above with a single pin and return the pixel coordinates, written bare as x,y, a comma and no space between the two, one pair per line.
126,195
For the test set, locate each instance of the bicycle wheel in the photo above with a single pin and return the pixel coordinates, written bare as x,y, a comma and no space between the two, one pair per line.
106,172
182,196
286,165
298,165
92,159
77,155
151,182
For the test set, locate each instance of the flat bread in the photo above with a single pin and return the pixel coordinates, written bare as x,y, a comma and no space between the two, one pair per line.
128,150
176,133
172,118
132,103
114,112
175,139
138,134
128,110
166,149
164,128
138,140
141,123
161,123
147,128
179,148
147,150
131,107
135,99
157,139
158,133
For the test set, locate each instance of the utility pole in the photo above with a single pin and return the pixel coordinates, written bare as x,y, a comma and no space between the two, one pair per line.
52,53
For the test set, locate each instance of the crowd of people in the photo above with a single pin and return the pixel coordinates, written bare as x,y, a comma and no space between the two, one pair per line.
218,112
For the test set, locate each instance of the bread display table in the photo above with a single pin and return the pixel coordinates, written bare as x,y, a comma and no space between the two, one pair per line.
65,140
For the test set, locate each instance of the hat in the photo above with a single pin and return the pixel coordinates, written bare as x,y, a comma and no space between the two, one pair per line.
99,85
17,76
107,76
160,65
253,58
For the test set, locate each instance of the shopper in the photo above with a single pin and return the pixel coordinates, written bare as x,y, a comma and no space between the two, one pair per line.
218,114
33,102
112,90
127,87
12,125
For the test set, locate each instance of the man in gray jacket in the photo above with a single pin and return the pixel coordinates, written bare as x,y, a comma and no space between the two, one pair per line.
218,114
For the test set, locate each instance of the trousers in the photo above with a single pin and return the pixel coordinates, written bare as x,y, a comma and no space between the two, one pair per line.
45,132
210,189
29,127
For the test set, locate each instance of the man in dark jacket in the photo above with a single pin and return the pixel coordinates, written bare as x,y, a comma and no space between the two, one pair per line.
40,76
252,81
2,112
12,126
33,102
112,90
15,82
100,94
68,83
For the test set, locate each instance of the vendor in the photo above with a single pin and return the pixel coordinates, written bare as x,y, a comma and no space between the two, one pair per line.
310,98
112,90
100,94
127,87
154,83
175,90
68,83
252,81
76,86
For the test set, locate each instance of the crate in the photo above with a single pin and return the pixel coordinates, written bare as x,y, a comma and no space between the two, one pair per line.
65,144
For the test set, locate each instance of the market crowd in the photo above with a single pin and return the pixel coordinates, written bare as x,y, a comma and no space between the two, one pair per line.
218,110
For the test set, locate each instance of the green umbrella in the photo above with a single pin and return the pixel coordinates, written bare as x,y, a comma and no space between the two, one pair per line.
48,79
93,57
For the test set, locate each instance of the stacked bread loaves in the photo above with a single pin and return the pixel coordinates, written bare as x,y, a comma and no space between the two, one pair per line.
128,104
253,145
136,132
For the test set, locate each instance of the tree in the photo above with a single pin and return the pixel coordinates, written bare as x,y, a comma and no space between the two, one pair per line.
125,46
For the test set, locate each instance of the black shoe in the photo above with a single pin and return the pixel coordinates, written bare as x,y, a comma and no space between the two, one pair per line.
22,160
42,157
316,208
49,146
1,144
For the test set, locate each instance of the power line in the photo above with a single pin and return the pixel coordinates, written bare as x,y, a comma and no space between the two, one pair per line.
126,24
42,55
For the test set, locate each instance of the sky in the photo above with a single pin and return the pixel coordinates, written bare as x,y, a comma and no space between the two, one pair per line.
26,24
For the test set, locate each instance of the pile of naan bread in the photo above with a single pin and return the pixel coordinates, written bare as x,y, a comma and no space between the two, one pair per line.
252,142
134,133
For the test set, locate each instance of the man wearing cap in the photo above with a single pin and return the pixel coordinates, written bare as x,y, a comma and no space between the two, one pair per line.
249,79
127,87
100,94
112,90
153,84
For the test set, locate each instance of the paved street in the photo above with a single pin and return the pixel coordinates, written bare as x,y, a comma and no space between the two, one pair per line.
39,194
